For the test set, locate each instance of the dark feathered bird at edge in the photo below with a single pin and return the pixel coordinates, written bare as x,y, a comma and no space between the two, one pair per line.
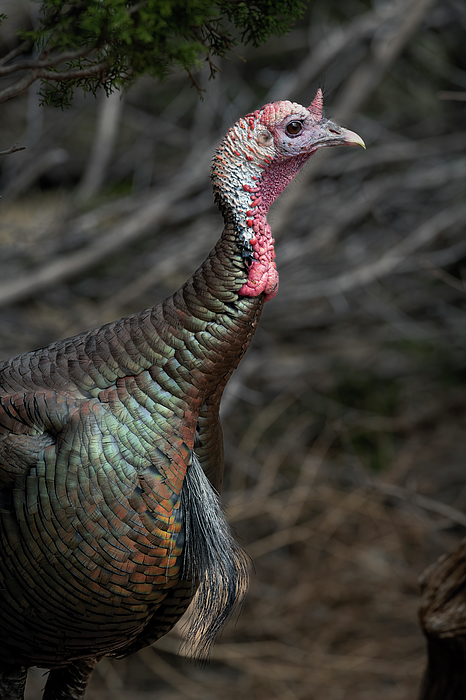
111,454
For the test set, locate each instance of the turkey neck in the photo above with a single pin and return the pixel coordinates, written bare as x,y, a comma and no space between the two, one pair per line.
209,322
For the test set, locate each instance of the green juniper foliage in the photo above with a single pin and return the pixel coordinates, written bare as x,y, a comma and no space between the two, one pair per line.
116,41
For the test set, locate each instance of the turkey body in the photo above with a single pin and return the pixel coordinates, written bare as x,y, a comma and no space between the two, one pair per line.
111,448
97,432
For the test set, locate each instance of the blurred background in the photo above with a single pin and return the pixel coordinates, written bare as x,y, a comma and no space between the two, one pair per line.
345,423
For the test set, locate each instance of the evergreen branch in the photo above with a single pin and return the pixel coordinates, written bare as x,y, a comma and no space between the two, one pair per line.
135,8
131,40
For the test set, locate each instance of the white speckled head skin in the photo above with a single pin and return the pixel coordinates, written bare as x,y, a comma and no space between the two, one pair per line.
254,163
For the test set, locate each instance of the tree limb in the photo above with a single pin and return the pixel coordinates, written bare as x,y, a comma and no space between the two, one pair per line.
49,63
16,52
44,74
17,88
72,74
13,149
443,621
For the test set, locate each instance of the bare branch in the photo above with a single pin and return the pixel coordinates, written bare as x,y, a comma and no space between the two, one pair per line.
102,148
39,165
16,52
328,49
368,272
13,149
456,95
129,230
72,74
399,28
44,74
17,88
429,504
49,63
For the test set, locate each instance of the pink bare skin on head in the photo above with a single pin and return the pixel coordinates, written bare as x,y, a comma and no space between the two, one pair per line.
274,142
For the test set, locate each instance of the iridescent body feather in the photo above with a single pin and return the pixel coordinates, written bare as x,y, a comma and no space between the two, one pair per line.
111,447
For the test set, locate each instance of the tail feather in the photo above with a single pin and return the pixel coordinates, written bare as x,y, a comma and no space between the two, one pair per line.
212,560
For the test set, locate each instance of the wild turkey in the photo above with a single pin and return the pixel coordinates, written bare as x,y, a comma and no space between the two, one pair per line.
111,445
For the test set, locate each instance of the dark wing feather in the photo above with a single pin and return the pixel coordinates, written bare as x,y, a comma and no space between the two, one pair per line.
90,522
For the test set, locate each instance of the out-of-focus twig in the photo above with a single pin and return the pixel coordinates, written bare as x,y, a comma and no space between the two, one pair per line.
129,230
454,95
329,48
421,501
37,63
35,168
368,272
13,149
21,48
104,140
170,675
395,32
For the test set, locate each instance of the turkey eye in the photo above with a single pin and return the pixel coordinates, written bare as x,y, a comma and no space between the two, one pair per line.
294,128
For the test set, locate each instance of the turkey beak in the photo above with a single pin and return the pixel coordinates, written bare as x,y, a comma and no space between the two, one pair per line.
349,138
335,135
